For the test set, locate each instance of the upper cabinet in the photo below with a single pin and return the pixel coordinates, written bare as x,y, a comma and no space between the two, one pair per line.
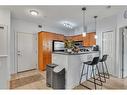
75,38
92,38
86,40
89,39
68,37
78,38
59,37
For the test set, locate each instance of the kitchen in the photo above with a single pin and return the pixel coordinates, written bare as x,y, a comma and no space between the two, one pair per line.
56,53
49,34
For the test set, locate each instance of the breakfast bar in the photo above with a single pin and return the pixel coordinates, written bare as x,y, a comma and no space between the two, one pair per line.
73,65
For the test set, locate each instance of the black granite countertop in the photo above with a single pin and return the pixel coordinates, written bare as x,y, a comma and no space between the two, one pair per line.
65,53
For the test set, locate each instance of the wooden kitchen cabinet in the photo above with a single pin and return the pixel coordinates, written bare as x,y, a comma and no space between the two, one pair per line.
86,40
89,39
79,38
45,40
75,38
92,39
60,37
69,37
40,50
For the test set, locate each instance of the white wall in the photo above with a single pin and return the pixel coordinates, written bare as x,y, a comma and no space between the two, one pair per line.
19,25
121,22
112,23
5,62
103,25
90,28
106,25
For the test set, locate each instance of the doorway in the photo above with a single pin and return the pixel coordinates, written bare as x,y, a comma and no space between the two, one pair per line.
124,52
26,54
108,47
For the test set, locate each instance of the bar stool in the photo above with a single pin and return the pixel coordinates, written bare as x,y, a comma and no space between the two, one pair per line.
94,65
105,73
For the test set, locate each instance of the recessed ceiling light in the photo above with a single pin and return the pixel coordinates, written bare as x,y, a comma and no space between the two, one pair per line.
34,12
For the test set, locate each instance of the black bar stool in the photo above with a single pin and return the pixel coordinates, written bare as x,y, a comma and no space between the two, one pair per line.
94,65
105,73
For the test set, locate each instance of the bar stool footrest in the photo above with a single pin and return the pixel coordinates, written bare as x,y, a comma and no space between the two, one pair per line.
85,86
94,82
106,76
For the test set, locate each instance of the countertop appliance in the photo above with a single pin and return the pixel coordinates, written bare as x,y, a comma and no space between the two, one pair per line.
95,48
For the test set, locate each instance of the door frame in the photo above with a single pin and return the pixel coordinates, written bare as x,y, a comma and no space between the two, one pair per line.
121,52
122,67
114,50
16,48
122,55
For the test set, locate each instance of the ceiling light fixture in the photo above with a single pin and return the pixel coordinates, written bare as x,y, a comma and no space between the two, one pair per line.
68,25
95,18
84,27
34,12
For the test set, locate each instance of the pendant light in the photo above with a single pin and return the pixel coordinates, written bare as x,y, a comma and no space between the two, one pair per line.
84,27
95,18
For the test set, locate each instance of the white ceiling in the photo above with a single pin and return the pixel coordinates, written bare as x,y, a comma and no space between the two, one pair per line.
53,15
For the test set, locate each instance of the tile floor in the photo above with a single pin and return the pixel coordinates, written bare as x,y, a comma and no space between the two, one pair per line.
112,83
41,84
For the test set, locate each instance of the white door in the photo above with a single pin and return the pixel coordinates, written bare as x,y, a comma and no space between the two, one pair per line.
25,52
125,53
108,48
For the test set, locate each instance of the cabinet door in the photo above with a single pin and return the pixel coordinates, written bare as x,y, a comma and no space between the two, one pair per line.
69,38
92,39
89,40
75,38
40,51
49,37
61,38
86,40
80,38
45,50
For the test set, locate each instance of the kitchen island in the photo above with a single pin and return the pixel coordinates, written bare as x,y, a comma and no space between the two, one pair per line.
73,65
